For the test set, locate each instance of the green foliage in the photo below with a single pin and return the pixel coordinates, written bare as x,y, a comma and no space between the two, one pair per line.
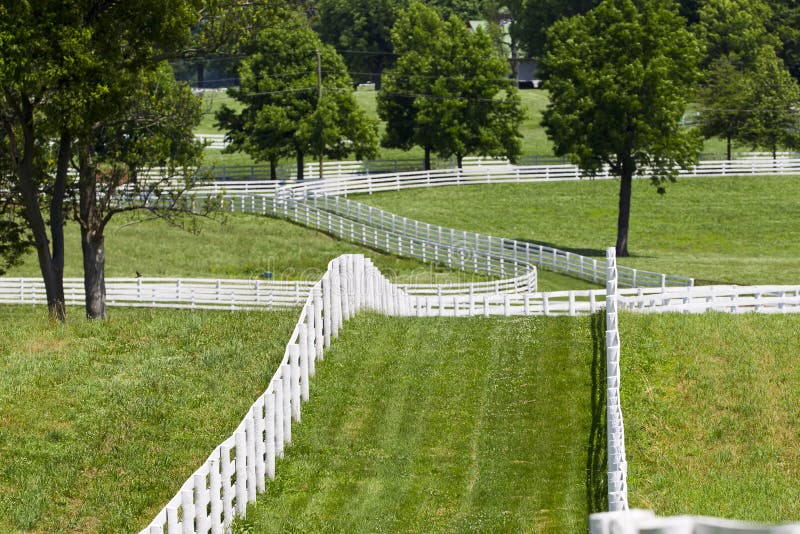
449,91
15,238
536,17
619,79
724,97
734,29
361,29
773,105
282,111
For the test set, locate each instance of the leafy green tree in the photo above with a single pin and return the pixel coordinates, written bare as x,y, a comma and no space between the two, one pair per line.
280,94
619,78
724,96
449,92
416,34
734,29
361,30
473,107
66,67
152,130
773,106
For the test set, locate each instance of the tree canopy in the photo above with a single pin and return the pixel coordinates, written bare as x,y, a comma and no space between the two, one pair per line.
619,78
66,67
295,103
449,91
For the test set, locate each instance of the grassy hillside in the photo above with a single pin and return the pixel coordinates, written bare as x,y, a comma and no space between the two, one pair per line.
711,419
731,230
101,422
445,425
243,246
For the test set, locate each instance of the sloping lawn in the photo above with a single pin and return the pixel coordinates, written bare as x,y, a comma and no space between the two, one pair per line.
445,425
101,423
712,414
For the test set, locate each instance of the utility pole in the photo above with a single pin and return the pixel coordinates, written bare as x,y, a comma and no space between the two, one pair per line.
319,100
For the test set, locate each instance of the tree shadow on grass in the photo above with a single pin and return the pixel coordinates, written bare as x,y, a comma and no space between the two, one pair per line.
589,252
597,447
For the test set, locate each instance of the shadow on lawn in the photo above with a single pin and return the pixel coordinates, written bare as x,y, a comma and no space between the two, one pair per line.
596,449
590,252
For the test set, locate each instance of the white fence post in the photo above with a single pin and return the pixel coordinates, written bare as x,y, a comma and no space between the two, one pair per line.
615,433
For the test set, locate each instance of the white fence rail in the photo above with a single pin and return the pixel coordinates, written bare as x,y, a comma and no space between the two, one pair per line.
646,522
544,257
452,256
730,299
167,292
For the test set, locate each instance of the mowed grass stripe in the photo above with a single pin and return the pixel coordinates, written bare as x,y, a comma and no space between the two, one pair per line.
712,414
101,422
430,425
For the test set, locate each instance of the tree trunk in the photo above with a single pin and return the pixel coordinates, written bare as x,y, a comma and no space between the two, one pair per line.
623,221
94,280
460,161
92,239
300,165
51,264
729,147
201,74
273,168
427,162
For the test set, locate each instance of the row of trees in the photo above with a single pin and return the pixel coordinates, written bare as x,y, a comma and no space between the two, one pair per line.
88,106
449,93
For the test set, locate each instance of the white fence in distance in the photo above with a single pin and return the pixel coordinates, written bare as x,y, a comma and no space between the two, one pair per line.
191,293
544,257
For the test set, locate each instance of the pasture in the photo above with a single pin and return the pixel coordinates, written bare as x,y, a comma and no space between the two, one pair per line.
421,424
734,230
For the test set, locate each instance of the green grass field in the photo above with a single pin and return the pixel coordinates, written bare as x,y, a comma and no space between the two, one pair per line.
101,422
446,425
711,419
729,230
244,247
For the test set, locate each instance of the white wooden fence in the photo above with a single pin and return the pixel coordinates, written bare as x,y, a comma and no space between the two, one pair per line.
192,293
646,522
544,257
730,299
615,430
238,468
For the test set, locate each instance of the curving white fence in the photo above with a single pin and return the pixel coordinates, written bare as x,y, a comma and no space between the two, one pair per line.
544,257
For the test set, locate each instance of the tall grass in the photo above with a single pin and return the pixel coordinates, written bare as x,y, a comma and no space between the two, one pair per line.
711,414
